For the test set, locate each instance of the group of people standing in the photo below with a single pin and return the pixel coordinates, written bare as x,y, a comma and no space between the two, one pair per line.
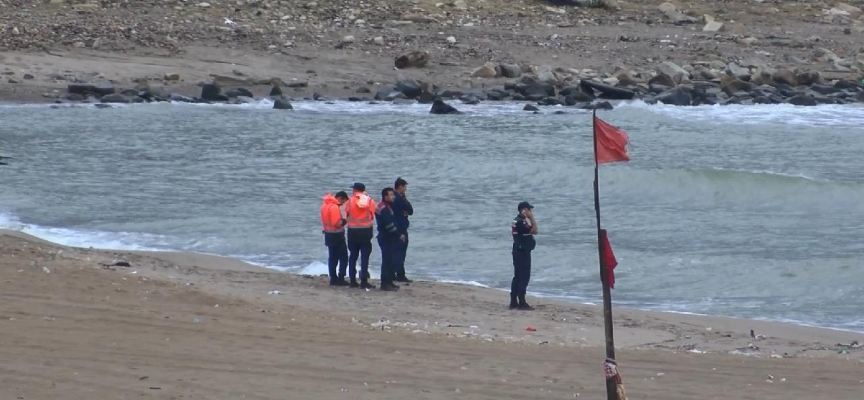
361,213
391,214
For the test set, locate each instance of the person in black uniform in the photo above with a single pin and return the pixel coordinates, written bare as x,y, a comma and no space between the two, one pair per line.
390,237
523,228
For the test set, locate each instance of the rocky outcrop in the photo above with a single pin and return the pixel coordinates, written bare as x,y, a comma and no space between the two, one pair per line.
282,103
440,107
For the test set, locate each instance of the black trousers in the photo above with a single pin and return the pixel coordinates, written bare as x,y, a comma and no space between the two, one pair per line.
399,254
389,250
361,250
521,272
337,256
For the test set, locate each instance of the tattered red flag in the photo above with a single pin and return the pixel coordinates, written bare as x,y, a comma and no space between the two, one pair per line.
608,258
611,142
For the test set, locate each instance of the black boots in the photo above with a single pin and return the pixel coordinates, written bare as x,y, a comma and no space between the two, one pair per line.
521,304
366,285
354,283
338,282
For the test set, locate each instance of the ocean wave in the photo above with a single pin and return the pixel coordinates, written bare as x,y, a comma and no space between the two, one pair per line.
849,115
87,238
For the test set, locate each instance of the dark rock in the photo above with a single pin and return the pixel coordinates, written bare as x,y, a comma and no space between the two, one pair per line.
409,88
662,80
570,101
180,98
860,97
98,89
440,107
559,112
679,96
809,78
600,105
510,70
282,103
785,76
530,107
355,99
426,98
239,92
74,97
519,97
471,100
606,91
824,89
129,92
497,95
448,93
802,100
847,84
297,85
276,91
115,98
363,90
414,59
578,93
102,105
737,85
212,92
28,76
529,87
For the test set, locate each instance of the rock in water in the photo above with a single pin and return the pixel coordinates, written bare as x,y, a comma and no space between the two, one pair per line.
410,88
276,91
212,92
440,107
530,107
802,100
414,59
99,89
239,92
115,98
282,103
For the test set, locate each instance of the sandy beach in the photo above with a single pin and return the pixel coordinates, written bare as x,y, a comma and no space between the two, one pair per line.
178,325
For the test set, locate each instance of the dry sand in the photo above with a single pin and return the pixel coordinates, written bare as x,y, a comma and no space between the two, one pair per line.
180,326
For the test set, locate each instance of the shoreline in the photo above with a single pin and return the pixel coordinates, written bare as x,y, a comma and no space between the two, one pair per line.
192,325
246,266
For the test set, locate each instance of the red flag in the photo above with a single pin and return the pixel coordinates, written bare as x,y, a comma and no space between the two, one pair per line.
608,258
611,142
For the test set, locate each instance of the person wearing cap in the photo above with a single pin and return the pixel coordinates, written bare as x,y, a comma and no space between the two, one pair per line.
390,236
524,227
360,214
334,237
402,209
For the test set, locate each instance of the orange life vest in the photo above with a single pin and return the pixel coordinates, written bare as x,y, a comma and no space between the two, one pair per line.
331,217
360,211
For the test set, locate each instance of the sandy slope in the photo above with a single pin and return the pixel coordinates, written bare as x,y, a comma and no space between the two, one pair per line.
154,331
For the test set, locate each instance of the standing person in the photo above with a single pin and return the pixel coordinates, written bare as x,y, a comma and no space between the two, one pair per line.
360,211
402,209
524,228
334,236
390,238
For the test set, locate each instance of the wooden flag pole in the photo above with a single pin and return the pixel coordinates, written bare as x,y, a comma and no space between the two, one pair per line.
611,392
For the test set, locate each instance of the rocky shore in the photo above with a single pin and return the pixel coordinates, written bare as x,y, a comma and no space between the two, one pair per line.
568,53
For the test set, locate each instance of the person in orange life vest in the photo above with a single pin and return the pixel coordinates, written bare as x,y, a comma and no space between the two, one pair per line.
523,229
360,212
334,237
390,237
